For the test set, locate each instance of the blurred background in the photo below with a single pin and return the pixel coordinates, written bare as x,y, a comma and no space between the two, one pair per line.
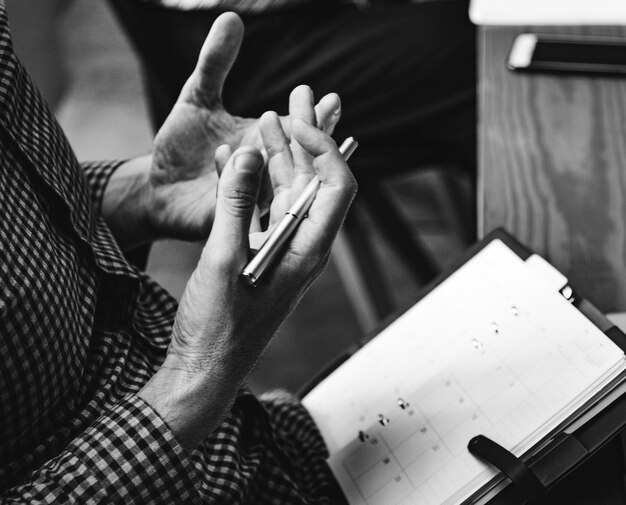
86,69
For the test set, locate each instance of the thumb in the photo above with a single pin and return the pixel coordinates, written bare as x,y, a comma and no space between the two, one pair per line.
218,53
237,193
222,155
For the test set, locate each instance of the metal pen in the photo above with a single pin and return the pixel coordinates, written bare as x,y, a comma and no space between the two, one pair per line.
288,224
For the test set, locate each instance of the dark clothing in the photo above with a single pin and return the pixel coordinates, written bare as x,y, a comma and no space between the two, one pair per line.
81,331
405,71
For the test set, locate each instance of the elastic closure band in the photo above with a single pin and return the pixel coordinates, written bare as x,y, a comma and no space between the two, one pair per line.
515,469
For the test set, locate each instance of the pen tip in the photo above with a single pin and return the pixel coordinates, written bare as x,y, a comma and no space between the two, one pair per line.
249,279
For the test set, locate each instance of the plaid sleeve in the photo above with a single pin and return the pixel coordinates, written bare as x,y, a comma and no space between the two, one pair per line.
98,174
127,456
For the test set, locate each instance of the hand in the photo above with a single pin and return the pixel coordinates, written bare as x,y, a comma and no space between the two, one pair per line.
182,179
171,193
223,325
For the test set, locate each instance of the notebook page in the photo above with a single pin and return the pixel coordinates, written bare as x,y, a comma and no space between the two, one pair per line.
487,352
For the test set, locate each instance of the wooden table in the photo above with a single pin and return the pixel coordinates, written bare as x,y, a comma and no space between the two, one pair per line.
552,170
552,164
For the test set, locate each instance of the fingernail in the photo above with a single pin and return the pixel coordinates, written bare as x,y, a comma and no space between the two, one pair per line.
337,111
248,162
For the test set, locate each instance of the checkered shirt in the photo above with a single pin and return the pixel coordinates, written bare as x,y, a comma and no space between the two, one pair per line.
81,331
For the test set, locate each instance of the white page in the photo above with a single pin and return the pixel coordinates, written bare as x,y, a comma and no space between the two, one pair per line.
548,12
490,351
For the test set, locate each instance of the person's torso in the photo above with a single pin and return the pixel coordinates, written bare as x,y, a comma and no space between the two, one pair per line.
79,327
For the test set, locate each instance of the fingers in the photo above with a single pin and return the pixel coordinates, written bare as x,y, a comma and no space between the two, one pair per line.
337,188
311,150
301,108
280,163
328,112
301,104
278,151
218,53
329,163
314,236
236,201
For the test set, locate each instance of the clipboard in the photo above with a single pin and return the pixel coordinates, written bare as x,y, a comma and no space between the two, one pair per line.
573,444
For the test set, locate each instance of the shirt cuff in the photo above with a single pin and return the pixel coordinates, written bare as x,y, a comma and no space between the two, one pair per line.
98,174
135,458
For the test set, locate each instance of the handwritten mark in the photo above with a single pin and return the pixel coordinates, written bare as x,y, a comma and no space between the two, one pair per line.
403,404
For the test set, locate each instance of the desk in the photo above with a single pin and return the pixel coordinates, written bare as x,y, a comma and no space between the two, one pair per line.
552,170
552,165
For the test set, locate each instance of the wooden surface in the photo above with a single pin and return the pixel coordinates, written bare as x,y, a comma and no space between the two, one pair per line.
552,164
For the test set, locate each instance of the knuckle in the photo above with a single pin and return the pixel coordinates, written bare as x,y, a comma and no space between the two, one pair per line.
220,259
217,261
200,97
312,261
278,150
240,201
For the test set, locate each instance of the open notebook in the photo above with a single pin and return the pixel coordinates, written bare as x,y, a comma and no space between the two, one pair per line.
495,349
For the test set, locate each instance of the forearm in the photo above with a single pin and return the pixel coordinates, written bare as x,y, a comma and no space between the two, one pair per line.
125,204
192,404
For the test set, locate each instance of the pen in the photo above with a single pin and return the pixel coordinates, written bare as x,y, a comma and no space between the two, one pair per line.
288,224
